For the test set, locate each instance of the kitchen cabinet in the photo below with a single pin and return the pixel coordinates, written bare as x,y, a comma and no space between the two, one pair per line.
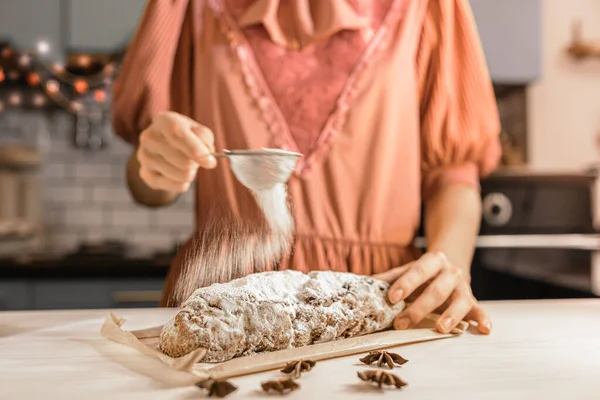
15,294
26,22
76,25
102,26
510,32
98,293
89,278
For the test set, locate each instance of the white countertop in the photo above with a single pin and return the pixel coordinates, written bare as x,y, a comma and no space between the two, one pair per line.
538,350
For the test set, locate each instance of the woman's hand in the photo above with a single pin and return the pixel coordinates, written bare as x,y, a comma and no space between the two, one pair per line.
171,150
432,284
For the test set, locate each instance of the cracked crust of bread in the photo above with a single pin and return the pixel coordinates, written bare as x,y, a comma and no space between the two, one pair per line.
276,310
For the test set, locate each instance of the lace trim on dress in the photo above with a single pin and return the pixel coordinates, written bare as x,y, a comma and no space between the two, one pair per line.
254,80
279,128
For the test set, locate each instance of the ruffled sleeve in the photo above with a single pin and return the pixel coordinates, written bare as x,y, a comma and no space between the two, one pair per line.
143,85
459,117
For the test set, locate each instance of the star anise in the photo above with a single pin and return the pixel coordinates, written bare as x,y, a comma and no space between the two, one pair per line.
296,368
383,357
280,385
217,387
382,378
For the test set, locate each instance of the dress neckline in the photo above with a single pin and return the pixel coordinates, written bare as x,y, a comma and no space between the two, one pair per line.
254,78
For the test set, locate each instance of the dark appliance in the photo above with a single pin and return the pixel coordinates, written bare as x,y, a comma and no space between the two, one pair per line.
539,229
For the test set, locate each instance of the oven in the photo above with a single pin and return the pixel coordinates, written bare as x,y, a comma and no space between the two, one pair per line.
538,236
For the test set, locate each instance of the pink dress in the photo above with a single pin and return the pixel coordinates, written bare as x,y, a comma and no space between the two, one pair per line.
388,100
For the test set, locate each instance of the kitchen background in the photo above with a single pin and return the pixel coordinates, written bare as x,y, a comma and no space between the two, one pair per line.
75,238
84,194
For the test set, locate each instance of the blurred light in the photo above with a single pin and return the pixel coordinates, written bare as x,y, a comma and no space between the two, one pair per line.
2,75
43,47
33,79
81,86
52,87
84,61
76,106
109,69
24,60
58,68
39,100
100,96
14,99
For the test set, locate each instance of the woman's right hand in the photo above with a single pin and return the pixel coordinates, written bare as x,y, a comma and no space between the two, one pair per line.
171,150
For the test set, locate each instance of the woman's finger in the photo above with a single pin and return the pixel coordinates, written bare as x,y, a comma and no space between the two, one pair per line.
186,141
434,295
205,135
160,166
187,136
391,275
479,315
178,132
423,269
154,145
158,182
461,304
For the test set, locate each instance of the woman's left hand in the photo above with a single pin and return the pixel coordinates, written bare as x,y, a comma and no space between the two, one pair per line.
433,284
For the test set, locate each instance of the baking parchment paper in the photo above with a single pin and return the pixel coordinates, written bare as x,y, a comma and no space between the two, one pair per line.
146,341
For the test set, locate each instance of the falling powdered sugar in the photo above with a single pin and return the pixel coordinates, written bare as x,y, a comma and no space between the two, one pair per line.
274,205
226,248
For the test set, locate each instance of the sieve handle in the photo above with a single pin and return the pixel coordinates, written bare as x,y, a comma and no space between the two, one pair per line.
264,152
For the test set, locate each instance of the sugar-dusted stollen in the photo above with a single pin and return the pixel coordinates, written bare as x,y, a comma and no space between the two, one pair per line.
271,311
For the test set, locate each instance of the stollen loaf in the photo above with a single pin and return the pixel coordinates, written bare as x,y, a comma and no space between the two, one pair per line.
276,310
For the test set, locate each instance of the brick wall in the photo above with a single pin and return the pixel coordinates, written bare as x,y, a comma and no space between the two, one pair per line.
85,196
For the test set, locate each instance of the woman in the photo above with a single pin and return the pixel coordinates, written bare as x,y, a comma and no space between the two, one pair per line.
389,101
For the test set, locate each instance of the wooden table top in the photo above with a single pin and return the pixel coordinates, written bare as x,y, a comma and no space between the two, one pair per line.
538,350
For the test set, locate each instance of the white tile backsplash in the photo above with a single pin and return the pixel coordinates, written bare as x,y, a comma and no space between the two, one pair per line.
105,194
55,171
154,239
85,196
91,169
175,218
64,241
86,217
65,194
131,218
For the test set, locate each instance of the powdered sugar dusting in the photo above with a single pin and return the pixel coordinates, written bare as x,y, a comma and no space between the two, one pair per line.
226,248
276,310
